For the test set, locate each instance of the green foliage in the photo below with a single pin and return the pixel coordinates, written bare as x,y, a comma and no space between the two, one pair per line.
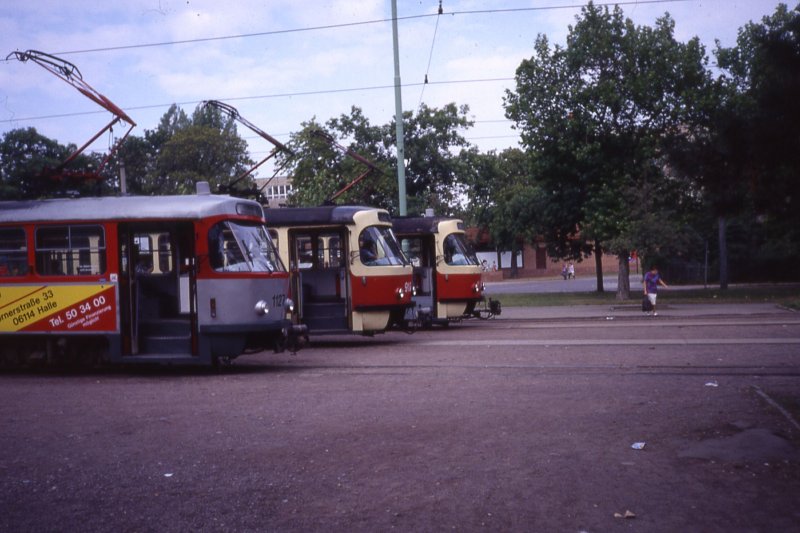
31,167
182,151
315,165
742,150
168,160
503,197
593,116
432,170
762,81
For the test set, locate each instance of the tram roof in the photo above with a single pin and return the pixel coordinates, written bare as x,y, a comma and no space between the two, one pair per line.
187,207
306,216
418,225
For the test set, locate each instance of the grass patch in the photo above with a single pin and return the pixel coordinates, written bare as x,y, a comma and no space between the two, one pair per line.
786,295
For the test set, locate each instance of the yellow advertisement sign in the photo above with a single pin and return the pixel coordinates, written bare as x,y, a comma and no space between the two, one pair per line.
44,308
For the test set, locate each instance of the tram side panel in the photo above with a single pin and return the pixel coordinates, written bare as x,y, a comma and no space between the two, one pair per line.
57,298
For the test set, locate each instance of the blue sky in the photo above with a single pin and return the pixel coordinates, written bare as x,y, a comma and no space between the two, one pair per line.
278,77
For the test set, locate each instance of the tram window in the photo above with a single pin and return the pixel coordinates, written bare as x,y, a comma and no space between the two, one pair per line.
412,247
273,234
379,247
457,251
329,251
143,253
304,252
13,252
70,251
153,252
164,253
239,247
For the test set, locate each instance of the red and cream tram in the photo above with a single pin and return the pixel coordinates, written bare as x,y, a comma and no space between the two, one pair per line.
162,279
447,274
348,272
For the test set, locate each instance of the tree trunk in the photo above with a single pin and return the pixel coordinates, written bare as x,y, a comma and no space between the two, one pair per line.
623,278
598,265
514,270
723,253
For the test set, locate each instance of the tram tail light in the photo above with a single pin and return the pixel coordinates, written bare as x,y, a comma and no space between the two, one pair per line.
213,307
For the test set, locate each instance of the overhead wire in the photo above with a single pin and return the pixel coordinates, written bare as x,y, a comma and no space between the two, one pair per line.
360,23
328,27
430,55
261,97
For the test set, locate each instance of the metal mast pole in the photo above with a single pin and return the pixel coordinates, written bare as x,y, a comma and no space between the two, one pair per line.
398,110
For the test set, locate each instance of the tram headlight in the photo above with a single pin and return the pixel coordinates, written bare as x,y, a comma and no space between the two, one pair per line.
478,287
400,293
289,305
262,307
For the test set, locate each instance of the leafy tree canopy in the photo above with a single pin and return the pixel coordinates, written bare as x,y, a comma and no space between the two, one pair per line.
30,163
432,146
592,117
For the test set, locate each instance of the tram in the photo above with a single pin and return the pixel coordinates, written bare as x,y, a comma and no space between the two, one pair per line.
447,274
348,272
164,279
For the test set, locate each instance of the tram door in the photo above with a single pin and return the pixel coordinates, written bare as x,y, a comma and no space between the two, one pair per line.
157,288
319,260
421,251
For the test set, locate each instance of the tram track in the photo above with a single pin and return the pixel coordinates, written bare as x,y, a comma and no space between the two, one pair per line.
613,321
756,371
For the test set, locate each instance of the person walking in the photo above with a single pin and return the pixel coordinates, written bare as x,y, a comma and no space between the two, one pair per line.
652,279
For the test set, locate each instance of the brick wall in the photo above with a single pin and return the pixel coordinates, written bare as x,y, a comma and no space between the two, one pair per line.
537,264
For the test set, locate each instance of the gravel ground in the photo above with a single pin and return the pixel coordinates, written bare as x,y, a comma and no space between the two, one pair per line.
505,425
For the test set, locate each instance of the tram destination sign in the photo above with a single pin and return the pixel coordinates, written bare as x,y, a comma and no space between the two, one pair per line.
58,308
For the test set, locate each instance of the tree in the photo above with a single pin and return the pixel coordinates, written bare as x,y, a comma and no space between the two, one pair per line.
433,141
762,72
431,146
26,161
182,151
744,149
315,165
593,116
502,198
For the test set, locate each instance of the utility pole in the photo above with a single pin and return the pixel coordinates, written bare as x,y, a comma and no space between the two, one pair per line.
398,111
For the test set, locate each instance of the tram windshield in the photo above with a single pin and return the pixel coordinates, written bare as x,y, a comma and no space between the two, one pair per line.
241,247
379,247
457,251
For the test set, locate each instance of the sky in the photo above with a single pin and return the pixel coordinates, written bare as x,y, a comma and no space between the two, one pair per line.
284,62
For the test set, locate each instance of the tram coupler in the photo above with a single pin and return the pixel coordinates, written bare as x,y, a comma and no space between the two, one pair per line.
294,338
490,309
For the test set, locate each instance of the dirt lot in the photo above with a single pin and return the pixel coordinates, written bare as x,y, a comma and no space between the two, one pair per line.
508,425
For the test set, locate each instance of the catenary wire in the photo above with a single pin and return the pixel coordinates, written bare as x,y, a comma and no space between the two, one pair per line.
259,97
430,55
357,23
